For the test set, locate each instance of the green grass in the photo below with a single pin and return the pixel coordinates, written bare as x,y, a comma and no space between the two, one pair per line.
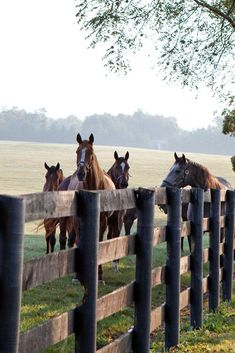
22,171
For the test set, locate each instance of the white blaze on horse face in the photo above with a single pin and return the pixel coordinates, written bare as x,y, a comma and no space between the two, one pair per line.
123,166
82,160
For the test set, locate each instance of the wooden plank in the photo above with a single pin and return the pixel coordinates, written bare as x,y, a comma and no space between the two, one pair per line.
160,196
48,268
184,298
186,195
205,255
50,332
117,199
157,317
116,248
205,282
159,235
115,301
158,276
184,264
185,228
206,224
51,204
122,344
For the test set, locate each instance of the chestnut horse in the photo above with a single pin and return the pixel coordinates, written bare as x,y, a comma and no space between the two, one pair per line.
119,173
54,177
92,177
185,172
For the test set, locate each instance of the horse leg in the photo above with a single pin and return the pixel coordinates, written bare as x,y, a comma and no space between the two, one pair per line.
50,228
62,236
52,241
103,226
128,223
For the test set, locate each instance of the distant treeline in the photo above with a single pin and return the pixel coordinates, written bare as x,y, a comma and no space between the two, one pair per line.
137,130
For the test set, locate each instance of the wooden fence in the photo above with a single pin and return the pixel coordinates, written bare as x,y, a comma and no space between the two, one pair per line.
82,320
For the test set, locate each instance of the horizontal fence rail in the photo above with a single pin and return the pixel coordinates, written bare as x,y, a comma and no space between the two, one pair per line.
56,204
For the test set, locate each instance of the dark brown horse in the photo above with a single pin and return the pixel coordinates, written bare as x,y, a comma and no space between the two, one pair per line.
92,177
185,172
119,173
54,177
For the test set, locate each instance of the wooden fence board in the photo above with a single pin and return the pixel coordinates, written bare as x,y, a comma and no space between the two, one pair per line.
49,204
116,248
50,332
115,301
54,204
47,268
122,344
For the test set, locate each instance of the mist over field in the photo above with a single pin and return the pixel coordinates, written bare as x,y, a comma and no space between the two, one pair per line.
139,130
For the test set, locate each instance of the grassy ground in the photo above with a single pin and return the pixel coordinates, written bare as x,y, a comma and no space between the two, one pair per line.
22,171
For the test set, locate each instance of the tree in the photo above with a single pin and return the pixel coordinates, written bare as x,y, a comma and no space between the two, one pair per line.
193,40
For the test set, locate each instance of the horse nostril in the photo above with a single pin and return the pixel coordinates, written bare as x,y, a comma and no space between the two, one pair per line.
81,175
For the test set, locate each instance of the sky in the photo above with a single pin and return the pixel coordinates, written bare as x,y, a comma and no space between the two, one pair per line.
45,63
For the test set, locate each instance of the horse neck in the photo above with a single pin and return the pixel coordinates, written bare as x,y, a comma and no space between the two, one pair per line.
95,176
202,178
112,175
61,176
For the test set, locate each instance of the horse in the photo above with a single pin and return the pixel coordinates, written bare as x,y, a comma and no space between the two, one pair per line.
119,173
54,177
92,177
185,172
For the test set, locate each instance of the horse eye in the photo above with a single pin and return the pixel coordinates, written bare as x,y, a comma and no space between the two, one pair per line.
177,171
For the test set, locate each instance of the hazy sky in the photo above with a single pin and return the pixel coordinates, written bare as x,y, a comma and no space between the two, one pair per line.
45,63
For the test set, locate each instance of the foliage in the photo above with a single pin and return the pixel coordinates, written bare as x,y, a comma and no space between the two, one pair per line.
229,122
137,130
190,41
233,162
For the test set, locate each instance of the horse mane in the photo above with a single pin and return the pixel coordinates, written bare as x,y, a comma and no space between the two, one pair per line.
97,175
62,177
203,176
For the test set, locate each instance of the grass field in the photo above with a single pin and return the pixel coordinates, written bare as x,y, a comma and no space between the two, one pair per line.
22,171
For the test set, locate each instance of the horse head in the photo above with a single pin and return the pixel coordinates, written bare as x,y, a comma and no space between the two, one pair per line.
119,172
85,156
178,174
54,177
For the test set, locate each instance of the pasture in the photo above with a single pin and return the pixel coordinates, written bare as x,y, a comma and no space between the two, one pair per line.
22,171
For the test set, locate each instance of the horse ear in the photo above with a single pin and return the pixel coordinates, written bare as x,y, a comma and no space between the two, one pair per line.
46,166
127,156
116,155
184,158
176,157
91,139
79,139
57,166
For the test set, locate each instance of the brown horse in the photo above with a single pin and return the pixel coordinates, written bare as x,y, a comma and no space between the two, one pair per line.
185,172
92,177
54,177
119,173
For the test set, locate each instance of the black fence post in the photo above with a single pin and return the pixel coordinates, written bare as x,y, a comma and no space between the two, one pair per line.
145,201
196,258
11,267
228,246
87,257
214,256
172,313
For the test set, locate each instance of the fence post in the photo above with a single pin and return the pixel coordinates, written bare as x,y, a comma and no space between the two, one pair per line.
11,267
214,256
172,316
88,204
228,246
196,258
145,201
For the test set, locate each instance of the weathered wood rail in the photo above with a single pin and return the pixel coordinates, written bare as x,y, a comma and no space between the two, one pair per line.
82,320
